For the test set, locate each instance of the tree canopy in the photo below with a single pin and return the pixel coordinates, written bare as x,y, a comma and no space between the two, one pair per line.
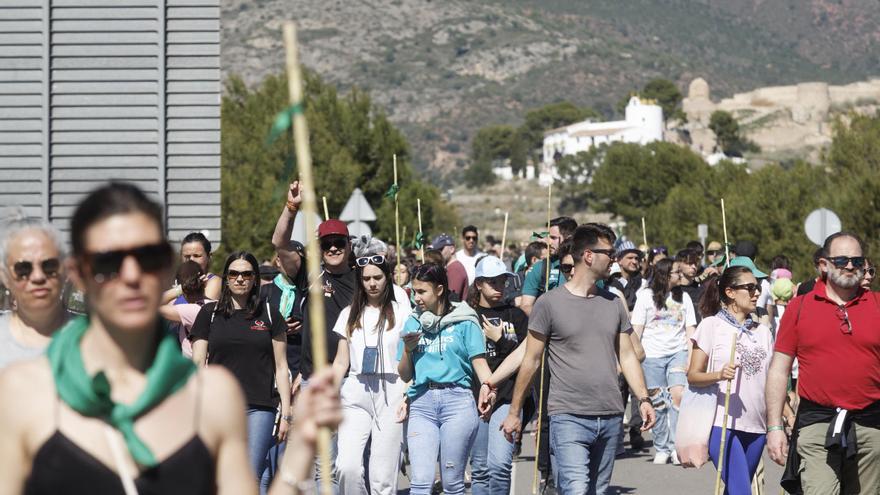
352,145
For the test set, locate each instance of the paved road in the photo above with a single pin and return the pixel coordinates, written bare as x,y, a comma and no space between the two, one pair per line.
634,473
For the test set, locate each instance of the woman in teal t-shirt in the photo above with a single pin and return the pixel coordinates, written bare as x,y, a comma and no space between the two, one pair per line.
442,347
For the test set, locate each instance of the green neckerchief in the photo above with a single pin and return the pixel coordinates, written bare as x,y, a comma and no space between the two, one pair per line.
90,396
288,294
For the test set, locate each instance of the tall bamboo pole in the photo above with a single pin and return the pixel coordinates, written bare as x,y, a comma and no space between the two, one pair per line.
421,233
396,213
317,323
543,353
326,211
724,225
504,236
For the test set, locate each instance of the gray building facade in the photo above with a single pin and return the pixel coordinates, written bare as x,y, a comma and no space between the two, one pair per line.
95,90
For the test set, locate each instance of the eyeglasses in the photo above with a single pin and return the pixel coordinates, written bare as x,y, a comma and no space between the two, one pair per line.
566,268
470,238
845,324
233,275
658,250
607,252
333,242
151,258
751,288
843,261
23,269
714,252
376,259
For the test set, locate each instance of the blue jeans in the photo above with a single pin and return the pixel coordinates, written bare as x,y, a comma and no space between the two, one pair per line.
260,422
742,453
584,447
661,374
492,457
443,420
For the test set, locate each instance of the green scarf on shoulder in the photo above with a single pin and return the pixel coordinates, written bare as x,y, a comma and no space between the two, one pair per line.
90,395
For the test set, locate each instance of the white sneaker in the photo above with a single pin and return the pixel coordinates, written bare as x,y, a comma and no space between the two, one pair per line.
661,458
674,458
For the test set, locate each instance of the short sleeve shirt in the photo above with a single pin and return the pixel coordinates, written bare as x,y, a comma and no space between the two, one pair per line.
582,338
361,339
243,345
754,350
535,279
444,356
664,333
836,367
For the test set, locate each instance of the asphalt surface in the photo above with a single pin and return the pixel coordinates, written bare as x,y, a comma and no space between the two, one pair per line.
634,473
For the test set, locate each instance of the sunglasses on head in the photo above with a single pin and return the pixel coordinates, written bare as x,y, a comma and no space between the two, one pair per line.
333,242
23,269
376,259
233,275
151,258
843,261
658,250
566,267
751,288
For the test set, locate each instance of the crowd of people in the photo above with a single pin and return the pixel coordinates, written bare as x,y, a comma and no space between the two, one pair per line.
169,378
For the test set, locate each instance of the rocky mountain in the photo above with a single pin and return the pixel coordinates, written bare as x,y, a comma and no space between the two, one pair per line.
443,69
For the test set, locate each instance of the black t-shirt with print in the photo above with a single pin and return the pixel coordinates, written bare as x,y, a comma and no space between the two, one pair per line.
244,346
515,325
338,293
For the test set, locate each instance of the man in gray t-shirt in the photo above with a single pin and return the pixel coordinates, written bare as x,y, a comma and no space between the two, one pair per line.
586,332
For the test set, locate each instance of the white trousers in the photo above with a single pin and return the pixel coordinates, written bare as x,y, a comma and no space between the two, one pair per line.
369,416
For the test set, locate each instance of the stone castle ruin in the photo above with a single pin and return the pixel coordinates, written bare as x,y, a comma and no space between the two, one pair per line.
780,119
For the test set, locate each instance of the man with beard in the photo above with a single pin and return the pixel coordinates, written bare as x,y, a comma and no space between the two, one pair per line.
833,332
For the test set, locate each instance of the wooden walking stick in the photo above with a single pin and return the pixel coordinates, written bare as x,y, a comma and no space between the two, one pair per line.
326,211
543,353
724,226
504,236
421,236
724,423
316,298
396,188
645,235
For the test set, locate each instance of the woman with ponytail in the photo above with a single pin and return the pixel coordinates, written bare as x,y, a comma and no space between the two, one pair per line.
727,305
664,318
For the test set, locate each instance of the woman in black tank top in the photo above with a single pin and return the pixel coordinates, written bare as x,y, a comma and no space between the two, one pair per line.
113,407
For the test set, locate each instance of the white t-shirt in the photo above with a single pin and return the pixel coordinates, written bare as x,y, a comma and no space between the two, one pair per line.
360,339
765,298
664,332
402,297
469,262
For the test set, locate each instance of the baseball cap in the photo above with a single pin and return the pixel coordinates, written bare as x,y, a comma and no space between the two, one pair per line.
332,227
491,267
626,247
441,241
748,263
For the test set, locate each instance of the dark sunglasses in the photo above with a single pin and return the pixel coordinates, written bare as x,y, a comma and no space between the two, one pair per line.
376,259
470,238
607,252
751,288
233,275
842,261
333,242
658,250
566,268
425,270
845,325
714,252
151,258
23,269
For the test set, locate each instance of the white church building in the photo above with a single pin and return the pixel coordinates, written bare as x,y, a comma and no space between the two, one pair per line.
643,124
